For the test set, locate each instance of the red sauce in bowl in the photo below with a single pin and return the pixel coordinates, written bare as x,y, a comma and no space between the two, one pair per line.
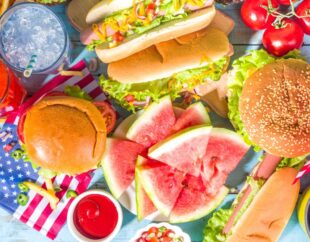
95,216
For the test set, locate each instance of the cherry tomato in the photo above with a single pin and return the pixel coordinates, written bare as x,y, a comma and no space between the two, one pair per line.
302,10
130,98
153,230
150,9
108,113
285,2
167,232
154,239
280,39
255,16
118,37
166,239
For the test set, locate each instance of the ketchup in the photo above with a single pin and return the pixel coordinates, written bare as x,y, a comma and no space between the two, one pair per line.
95,216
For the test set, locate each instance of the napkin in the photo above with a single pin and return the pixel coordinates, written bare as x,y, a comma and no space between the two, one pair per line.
38,213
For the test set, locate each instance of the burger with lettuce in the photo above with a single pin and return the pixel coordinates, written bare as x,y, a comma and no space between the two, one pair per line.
269,105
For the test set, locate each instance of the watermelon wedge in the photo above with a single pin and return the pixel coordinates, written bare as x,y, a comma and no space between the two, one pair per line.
154,124
224,151
194,202
119,163
184,150
161,182
196,114
144,204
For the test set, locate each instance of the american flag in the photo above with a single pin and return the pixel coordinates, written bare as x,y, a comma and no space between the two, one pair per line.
38,213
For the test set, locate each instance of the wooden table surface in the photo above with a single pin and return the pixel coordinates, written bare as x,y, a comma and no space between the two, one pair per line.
243,39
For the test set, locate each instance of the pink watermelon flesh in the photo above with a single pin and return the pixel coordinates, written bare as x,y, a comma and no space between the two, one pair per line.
119,164
157,128
190,117
144,204
223,154
186,156
162,183
193,196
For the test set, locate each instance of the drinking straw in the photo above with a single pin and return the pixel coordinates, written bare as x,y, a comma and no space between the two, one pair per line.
30,66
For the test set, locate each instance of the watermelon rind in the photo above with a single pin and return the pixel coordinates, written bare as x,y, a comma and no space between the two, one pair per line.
146,182
108,164
199,213
122,129
201,109
232,135
139,187
146,117
173,141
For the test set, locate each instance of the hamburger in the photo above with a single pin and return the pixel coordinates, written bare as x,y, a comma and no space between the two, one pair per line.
169,68
261,210
269,102
63,134
121,28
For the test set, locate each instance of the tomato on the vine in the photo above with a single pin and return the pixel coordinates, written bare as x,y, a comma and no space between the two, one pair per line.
108,114
281,38
303,9
255,16
285,2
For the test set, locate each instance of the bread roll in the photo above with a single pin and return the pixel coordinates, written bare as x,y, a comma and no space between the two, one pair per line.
167,58
166,31
65,134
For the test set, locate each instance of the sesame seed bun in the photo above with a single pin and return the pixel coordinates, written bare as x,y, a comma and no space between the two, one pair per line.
65,135
275,107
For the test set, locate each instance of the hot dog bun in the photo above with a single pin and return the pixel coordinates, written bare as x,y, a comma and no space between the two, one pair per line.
105,8
167,58
170,30
266,217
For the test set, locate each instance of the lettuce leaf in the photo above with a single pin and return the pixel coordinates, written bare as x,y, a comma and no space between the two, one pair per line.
242,69
296,162
172,86
213,229
76,91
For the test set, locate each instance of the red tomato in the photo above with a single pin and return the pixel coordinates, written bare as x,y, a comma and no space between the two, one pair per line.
302,10
108,113
150,9
118,37
285,2
166,239
278,40
154,239
153,230
256,17
20,127
130,98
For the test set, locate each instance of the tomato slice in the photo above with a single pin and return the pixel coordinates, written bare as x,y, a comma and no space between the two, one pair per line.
108,114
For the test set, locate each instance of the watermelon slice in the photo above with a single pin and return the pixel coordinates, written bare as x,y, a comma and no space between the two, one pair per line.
196,114
119,163
162,184
194,202
154,124
122,129
184,150
224,151
144,204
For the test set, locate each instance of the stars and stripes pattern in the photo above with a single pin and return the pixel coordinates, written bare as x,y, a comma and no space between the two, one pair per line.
38,213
